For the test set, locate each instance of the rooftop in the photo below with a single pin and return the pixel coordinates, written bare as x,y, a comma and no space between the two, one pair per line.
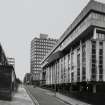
91,6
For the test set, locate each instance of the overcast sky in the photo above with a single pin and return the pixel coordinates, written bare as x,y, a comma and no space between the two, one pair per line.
22,20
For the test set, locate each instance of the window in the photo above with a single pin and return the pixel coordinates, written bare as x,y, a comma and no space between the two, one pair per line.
100,61
100,34
61,69
94,69
101,52
78,68
69,67
78,61
72,59
72,76
83,62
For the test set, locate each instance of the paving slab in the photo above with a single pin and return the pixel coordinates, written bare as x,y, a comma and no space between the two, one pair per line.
20,98
70,100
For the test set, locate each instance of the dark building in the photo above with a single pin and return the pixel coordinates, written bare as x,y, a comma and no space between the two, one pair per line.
3,58
8,84
39,48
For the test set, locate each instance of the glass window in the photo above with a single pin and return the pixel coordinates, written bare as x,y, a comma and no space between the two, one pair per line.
72,59
101,52
83,62
100,34
101,77
78,61
72,76
100,61
94,69
78,68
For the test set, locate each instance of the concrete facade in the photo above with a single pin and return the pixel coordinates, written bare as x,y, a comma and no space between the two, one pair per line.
81,58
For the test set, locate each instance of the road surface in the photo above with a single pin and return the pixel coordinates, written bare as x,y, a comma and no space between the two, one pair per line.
44,97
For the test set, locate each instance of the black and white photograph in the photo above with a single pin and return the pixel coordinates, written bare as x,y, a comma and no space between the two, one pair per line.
52,52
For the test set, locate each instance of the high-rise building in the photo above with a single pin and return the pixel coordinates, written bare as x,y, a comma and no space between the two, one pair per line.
39,48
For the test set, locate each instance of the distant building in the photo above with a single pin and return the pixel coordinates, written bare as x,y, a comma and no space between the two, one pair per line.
39,48
11,61
27,78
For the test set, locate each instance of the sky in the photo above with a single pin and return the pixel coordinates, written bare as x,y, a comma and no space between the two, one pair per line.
22,20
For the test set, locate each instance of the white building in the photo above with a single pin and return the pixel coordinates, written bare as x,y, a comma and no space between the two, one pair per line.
77,61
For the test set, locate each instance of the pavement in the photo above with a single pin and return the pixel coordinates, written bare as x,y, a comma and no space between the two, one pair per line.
19,98
70,100
47,97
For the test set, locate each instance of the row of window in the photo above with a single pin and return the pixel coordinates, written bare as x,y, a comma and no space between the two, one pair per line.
64,69
94,68
61,70
84,62
94,63
98,16
101,61
100,36
43,43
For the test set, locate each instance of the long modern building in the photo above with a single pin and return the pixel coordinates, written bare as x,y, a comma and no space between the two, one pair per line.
77,61
39,48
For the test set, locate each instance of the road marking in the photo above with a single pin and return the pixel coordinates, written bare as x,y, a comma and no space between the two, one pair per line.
33,98
66,103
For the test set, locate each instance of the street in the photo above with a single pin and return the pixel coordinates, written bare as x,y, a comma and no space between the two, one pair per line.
44,97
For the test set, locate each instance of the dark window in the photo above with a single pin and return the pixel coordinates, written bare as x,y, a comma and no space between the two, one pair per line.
93,51
100,71
100,77
100,61
93,60
93,71
72,76
93,65
101,43
93,56
83,62
101,51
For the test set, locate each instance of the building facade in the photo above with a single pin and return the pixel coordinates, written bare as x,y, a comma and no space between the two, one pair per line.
39,48
77,61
